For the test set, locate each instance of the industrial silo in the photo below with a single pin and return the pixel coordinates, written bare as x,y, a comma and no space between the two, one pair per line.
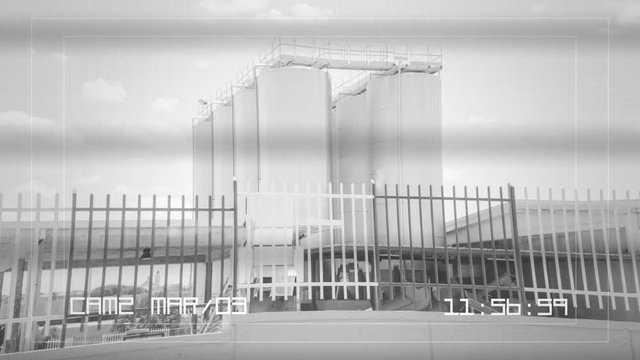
351,159
202,151
246,142
294,111
294,107
223,153
406,143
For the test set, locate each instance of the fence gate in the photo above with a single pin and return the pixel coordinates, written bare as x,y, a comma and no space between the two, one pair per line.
434,245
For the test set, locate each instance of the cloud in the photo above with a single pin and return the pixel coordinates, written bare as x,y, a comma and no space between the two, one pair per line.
273,13
202,64
19,129
104,91
627,13
234,7
479,120
306,10
167,105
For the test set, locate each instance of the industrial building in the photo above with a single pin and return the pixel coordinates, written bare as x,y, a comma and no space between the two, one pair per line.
315,193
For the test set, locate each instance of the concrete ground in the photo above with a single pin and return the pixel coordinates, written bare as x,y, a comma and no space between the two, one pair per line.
378,335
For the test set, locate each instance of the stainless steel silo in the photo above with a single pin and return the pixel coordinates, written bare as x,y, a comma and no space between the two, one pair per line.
223,153
246,139
406,141
202,159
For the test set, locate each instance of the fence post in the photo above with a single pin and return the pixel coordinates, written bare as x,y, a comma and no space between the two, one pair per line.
234,289
67,300
376,259
516,244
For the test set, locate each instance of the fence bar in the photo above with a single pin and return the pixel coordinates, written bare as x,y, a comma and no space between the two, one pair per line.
605,238
343,249
354,238
137,258
153,246
14,290
504,236
365,237
121,254
446,245
554,240
425,278
105,252
585,284
516,245
308,210
376,251
333,261
222,251
195,245
466,217
632,249
482,256
320,244
67,301
87,272
413,267
166,248
234,286
54,256
568,249
620,261
455,224
181,246
403,289
386,215
542,247
494,252
593,249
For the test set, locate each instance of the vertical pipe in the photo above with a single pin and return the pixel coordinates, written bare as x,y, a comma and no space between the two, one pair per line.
403,290
516,244
67,295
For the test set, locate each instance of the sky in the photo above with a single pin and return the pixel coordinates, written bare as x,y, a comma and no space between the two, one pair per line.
98,97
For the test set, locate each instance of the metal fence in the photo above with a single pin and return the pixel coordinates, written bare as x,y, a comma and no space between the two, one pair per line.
314,248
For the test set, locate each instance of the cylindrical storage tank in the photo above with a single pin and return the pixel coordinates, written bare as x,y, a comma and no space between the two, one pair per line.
351,161
223,154
406,149
246,133
202,159
294,113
